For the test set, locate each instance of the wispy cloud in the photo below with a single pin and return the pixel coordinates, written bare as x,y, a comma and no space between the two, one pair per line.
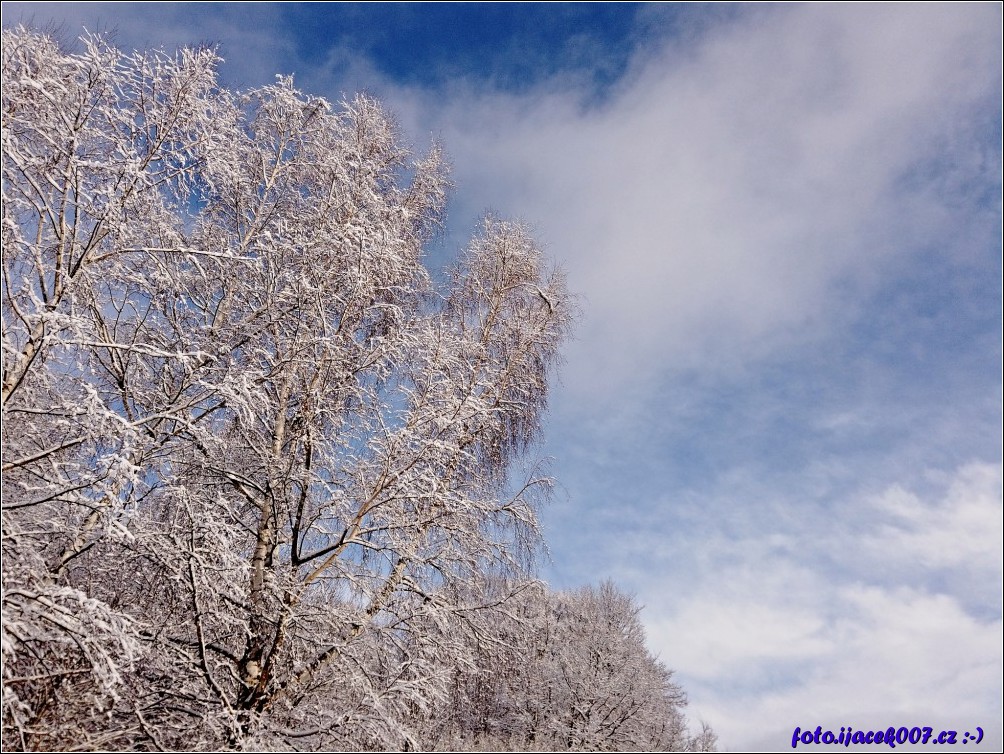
885,612
739,192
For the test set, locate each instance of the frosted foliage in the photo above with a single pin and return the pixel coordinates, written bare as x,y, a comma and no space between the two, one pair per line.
261,482
559,671
248,446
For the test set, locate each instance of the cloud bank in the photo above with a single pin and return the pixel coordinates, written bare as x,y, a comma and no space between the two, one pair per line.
738,193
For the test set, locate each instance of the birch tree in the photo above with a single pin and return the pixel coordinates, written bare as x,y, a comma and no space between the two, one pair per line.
255,462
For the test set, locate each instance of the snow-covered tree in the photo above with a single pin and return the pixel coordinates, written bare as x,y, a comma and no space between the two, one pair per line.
265,484
255,462
566,671
605,690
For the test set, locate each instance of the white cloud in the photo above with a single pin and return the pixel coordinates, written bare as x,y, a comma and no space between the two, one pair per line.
729,194
835,631
966,528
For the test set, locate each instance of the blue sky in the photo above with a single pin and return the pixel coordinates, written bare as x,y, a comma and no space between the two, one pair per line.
780,422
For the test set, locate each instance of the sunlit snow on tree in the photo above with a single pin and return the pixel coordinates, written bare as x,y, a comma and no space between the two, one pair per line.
260,479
